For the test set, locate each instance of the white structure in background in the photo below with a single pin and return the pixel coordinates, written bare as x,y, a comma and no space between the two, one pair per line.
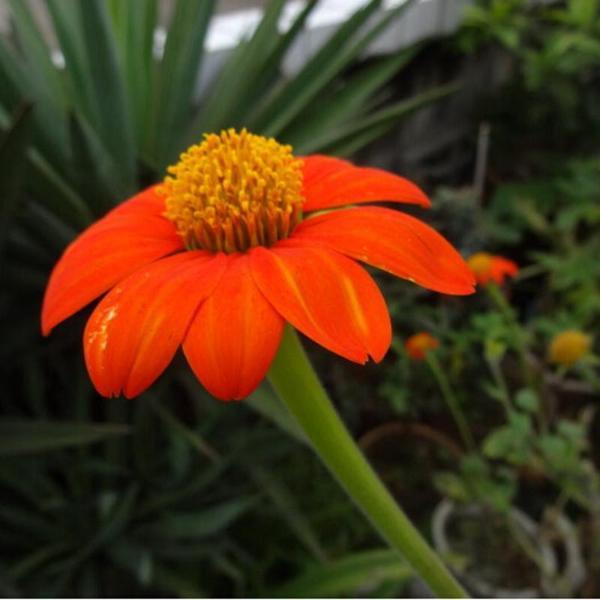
425,18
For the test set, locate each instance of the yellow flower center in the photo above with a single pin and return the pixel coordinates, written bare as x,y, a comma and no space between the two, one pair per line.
568,347
480,263
234,191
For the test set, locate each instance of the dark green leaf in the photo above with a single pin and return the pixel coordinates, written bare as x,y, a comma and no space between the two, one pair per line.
337,53
134,24
230,94
177,76
13,158
348,102
28,436
344,141
80,88
112,120
201,523
94,169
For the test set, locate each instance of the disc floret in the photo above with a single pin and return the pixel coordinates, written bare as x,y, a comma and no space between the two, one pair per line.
233,191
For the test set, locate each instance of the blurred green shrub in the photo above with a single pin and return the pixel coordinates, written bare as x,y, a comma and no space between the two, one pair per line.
552,86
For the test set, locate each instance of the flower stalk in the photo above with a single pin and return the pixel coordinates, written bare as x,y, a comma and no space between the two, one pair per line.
451,400
295,381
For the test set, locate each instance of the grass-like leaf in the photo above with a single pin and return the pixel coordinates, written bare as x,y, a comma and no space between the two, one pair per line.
177,76
13,158
229,96
30,437
345,577
112,120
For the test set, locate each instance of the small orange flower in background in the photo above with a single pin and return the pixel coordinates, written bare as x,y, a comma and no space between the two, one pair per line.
489,267
419,344
222,254
567,347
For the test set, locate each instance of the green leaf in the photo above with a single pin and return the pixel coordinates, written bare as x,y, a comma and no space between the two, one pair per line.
451,485
118,516
13,158
111,115
271,66
344,141
231,92
18,86
30,437
31,563
337,53
134,24
344,105
348,576
177,76
56,194
37,53
65,19
200,523
527,400
265,402
50,187
285,504
511,442
94,169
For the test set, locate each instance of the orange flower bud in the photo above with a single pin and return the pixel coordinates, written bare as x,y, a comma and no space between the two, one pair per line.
419,344
488,267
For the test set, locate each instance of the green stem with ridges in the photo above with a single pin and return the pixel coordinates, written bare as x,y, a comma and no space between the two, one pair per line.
296,383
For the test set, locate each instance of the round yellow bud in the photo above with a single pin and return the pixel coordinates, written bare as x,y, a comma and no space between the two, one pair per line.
567,347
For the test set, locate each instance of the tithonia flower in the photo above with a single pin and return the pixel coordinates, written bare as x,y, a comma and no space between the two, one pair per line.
567,347
226,251
419,344
489,267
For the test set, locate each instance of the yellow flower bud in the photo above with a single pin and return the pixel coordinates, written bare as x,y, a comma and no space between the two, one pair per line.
567,347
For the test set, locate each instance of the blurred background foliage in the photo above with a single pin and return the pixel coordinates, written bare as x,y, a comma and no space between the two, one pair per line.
177,494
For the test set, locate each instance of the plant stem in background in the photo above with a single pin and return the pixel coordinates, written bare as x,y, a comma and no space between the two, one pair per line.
504,396
499,300
451,401
294,379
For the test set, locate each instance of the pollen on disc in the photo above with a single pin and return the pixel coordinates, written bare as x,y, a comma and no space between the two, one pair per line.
233,191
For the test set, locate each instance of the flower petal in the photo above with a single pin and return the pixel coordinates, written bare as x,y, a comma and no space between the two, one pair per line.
392,241
234,336
501,268
326,296
135,330
130,236
331,182
147,202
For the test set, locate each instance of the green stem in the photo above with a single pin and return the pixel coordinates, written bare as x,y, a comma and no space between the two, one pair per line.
498,298
451,400
299,388
504,396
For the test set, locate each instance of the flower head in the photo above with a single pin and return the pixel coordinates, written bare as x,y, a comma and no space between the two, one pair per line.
222,254
234,191
419,344
488,267
567,347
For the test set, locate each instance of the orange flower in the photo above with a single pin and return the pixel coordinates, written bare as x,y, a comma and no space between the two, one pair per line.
488,267
219,257
419,344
